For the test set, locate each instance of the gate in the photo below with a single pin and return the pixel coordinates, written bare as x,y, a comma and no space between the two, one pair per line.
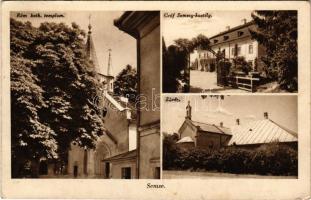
222,73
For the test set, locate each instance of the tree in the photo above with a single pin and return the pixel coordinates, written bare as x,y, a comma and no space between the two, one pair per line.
52,84
126,83
277,32
169,149
176,61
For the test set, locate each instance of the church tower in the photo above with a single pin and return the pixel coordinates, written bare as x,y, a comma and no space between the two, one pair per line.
109,76
188,111
90,49
106,79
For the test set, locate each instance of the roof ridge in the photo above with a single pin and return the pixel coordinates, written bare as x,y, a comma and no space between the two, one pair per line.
210,124
219,129
233,29
285,129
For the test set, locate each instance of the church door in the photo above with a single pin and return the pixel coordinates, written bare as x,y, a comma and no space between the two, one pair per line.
75,171
107,169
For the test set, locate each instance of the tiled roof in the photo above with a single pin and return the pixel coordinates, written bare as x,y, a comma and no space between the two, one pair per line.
233,33
259,132
211,128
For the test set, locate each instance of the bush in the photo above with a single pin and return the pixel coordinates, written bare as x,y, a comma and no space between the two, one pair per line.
270,159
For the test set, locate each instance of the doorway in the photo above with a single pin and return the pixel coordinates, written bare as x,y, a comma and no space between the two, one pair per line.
107,169
75,171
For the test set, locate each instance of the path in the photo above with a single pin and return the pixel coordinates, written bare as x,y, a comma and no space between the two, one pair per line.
174,174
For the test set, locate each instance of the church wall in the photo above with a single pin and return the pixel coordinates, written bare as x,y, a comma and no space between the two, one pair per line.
132,136
76,158
188,131
150,76
116,168
117,124
208,140
149,151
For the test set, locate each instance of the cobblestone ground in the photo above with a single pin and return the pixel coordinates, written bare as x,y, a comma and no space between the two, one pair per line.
207,82
172,174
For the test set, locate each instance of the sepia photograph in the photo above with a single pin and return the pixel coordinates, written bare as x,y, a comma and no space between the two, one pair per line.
230,51
79,107
155,100
221,136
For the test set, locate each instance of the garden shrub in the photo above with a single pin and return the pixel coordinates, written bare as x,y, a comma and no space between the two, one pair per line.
269,159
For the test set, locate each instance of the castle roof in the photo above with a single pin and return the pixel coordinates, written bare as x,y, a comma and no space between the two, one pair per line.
238,32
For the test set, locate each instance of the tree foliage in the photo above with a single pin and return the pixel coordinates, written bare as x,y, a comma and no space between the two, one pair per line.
176,62
126,83
52,84
277,32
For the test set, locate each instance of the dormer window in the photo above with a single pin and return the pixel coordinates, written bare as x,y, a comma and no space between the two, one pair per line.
240,33
226,37
215,41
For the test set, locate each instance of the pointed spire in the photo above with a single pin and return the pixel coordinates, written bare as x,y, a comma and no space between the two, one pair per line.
90,26
109,69
90,48
188,111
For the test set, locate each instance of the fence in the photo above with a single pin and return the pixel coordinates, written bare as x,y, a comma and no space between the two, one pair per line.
248,83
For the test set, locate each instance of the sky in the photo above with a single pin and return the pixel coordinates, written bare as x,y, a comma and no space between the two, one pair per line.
281,109
186,27
105,36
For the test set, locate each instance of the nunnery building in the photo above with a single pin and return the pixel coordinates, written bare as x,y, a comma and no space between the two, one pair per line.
243,135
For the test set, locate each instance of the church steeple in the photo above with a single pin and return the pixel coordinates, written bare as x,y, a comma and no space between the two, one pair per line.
109,69
188,111
90,48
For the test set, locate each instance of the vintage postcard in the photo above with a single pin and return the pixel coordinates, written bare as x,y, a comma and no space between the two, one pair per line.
230,51
208,100
213,136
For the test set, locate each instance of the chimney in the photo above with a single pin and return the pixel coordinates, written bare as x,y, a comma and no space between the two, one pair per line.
188,111
244,21
265,114
221,124
237,121
228,28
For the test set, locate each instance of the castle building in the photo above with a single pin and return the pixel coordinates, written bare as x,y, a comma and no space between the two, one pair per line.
233,42
248,135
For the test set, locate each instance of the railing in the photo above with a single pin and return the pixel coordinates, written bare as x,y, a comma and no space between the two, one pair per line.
244,82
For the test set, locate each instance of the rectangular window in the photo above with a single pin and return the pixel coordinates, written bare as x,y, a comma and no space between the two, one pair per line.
250,49
157,173
232,51
239,51
126,173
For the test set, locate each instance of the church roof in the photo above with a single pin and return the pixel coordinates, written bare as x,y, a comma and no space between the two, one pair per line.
90,50
123,156
261,131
